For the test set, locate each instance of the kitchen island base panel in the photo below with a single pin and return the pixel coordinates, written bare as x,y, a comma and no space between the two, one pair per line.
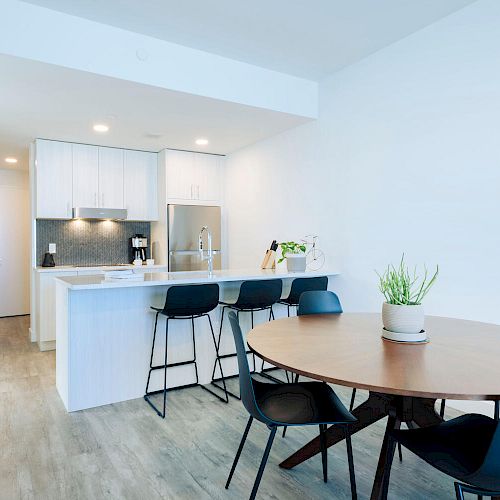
104,340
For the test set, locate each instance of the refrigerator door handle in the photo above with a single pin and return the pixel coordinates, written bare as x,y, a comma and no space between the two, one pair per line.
192,252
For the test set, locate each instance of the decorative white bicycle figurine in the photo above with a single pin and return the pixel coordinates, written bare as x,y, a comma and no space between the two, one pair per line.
315,258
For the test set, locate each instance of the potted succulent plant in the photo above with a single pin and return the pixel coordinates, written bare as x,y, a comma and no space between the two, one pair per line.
295,255
402,311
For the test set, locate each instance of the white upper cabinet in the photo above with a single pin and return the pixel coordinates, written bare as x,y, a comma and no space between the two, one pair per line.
140,185
180,175
79,175
85,176
208,177
193,177
54,175
110,178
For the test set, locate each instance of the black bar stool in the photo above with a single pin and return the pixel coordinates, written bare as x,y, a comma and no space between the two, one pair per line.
186,302
301,285
256,295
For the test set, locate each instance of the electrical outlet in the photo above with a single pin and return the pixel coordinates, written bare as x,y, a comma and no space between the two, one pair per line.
52,248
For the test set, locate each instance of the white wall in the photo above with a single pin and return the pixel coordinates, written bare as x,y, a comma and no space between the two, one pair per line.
405,157
14,242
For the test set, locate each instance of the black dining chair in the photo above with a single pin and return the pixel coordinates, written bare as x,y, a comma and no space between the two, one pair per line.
301,285
275,405
320,302
323,302
466,448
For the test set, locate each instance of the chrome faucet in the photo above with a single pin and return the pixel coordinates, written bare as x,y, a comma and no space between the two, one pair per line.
210,256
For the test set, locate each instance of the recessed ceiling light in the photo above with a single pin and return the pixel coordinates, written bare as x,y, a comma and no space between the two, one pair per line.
101,127
201,142
9,159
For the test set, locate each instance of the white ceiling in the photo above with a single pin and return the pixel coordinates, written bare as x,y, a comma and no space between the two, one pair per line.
42,100
307,38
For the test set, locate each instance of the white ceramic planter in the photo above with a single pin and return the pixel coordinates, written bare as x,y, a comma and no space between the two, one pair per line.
403,319
296,263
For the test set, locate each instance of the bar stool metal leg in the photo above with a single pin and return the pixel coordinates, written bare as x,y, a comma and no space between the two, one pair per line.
217,359
164,367
220,357
264,370
152,352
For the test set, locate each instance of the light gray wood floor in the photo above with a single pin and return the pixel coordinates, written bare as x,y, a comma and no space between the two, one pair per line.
125,451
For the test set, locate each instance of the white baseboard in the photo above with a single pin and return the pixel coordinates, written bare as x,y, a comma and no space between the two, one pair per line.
481,407
47,345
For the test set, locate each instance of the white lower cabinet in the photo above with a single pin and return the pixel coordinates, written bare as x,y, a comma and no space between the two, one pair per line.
46,307
46,304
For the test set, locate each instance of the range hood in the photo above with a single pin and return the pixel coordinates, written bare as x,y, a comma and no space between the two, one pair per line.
100,213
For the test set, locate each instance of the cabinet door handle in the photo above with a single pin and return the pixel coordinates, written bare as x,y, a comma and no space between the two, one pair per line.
102,200
198,191
192,197
95,200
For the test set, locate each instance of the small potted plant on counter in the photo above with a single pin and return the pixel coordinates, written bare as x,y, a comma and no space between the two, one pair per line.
402,311
295,255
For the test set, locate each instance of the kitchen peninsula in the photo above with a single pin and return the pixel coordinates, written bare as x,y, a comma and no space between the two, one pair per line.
104,331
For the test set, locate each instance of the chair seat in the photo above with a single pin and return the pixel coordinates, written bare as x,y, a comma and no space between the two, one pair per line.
287,301
243,306
301,403
457,447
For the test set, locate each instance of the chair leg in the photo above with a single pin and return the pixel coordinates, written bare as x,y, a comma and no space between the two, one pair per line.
400,452
458,491
443,406
217,360
152,353
497,410
238,453
284,431
350,459
296,378
194,350
353,397
324,455
165,372
217,347
164,391
263,463
288,310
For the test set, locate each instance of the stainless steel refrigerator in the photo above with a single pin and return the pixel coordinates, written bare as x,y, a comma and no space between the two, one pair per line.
184,226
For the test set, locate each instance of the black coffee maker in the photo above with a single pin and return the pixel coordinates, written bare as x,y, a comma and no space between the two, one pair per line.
139,246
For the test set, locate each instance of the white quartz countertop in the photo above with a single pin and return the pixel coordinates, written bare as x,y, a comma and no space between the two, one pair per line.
95,282
58,269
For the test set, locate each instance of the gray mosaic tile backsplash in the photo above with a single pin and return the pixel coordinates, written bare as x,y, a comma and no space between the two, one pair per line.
88,242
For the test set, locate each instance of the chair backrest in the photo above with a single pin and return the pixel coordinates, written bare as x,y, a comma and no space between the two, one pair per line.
301,285
191,300
246,384
259,293
319,302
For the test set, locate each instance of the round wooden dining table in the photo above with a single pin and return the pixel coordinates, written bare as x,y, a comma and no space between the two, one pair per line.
460,361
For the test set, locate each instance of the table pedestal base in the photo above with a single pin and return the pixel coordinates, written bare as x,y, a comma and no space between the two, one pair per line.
414,412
